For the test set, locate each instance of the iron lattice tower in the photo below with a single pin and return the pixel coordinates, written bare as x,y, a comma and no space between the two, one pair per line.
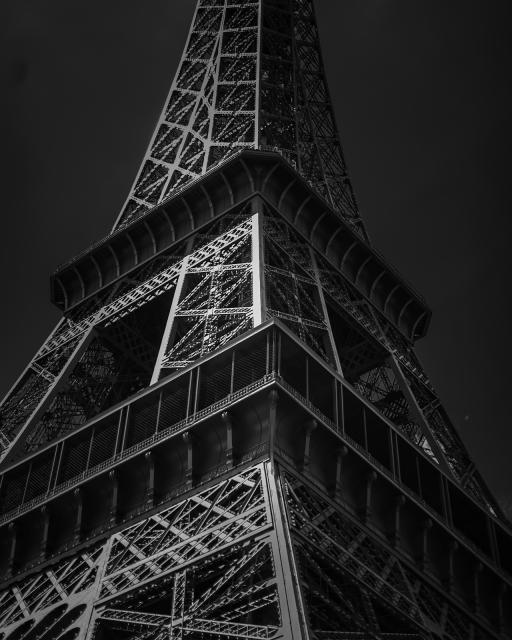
228,434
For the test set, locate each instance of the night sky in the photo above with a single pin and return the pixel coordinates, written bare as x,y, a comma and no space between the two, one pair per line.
421,91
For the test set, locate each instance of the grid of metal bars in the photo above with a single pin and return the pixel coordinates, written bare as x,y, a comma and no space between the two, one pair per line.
251,76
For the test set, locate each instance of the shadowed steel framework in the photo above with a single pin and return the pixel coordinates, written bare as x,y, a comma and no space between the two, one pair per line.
228,434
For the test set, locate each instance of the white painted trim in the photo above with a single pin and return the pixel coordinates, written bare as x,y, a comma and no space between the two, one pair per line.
164,344
258,275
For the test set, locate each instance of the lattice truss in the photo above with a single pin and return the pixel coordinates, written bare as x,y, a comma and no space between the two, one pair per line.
354,586
55,597
107,350
381,385
251,75
94,359
215,303
217,564
372,354
293,294
205,565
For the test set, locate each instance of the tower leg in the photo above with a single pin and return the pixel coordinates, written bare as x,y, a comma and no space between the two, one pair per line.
292,611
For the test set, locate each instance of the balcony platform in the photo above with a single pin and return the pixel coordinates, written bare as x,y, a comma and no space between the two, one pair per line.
162,230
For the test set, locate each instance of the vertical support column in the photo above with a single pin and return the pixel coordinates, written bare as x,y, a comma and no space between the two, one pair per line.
325,313
179,593
477,605
309,428
170,325
257,104
425,535
290,597
454,545
395,531
45,525
258,263
338,484
150,486
187,438
226,418
114,491
78,507
12,549
273,397
367,507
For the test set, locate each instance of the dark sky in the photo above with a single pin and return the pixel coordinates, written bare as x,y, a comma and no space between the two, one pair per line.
421,90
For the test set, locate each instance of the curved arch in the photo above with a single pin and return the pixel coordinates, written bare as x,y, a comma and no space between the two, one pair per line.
416,324
249,174
375,283
347,252
389,296
151,235
116,260
63,289
171,226
226,182
269,175
98,270
402,311
189,212
301,208
80,280
360,270
210,203
20,631
331,239
284,192
314,227
134,248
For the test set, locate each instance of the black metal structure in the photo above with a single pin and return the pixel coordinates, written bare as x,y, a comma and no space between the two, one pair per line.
228,434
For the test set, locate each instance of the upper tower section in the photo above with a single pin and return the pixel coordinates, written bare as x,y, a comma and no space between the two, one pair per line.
251,76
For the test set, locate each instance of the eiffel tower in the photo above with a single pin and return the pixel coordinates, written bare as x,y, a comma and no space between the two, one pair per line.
228,434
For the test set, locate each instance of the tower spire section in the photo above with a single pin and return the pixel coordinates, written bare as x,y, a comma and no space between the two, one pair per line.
251,77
